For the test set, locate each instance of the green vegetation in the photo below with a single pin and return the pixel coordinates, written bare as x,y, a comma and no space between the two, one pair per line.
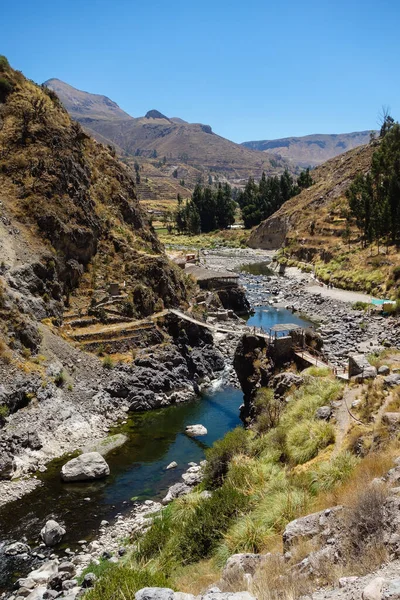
374,199
209,209
121,582
108,362
258,202
256,492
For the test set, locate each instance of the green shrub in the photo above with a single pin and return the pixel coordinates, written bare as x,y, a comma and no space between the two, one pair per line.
305,439
4,64
122,583
155,539
333,472
208,522
60,379
222,452
108,362
396,273
359,305
6,87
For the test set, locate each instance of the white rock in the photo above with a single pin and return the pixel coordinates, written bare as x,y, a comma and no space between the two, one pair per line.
52,533
373,591
195,430
45,572
85,467
172,465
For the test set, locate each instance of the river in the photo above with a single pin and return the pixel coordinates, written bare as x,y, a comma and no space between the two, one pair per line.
138,468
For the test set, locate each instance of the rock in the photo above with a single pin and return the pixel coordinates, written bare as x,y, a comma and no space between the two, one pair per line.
55,583
284,381
37,594
392,380
383,370
172,465
106,445
373,591
67,566
324,413
104,523
195,430
50,594
392,591
45,572
26,582
52,533
210,595
89,580
154,593
183,596
317,524
85,468
239,565
16,548
193,475
175,491
6,466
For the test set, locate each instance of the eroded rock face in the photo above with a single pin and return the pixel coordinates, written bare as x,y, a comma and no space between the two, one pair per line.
234,298
85,468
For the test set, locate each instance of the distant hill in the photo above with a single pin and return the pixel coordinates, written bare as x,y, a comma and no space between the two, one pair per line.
311,150
155,135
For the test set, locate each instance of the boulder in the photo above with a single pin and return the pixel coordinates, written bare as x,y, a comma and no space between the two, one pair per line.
239,565
193,475
89,580
373,591
211,595
392,380
284,381
85,468
324,413
172,465
383,370
175,491
195,430
392,591
45,572
154,593
52,533
37,594
16,548
320,524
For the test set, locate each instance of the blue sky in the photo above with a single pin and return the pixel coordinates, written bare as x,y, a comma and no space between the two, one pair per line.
252,70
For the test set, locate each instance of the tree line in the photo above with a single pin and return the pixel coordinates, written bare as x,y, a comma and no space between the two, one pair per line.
260,201
374,197
207,210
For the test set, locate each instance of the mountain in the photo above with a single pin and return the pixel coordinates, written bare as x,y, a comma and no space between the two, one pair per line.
311,150
69,216
156,135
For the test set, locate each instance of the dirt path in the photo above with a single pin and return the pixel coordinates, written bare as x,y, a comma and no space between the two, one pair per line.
337,294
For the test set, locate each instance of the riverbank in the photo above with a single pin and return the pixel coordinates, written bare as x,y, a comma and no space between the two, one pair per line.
344,329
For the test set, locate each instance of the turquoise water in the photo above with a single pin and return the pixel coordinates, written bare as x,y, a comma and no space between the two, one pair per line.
155,439
268,316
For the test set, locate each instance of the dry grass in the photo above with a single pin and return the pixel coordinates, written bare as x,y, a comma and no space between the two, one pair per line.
372,466
194,579
276,580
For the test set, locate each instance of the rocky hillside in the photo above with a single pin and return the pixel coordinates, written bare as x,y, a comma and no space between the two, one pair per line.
70,220
311,150
311,231
191,144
